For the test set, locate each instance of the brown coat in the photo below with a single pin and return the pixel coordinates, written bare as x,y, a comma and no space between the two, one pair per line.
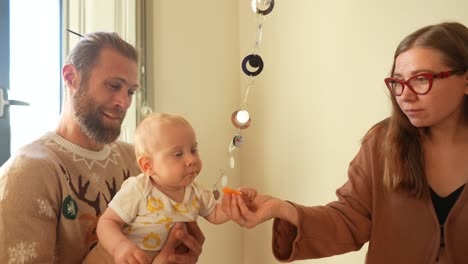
399,228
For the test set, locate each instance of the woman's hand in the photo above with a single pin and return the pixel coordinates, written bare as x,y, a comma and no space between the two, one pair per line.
250,209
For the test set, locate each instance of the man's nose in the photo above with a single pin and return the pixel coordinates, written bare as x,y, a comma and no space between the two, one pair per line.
122,99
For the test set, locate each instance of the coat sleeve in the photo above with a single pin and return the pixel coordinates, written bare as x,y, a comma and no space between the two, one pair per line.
29,209
341,226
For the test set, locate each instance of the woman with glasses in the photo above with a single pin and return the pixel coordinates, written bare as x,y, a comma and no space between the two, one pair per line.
406,191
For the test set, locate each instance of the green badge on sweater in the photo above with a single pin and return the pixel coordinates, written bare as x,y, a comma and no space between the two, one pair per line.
69,208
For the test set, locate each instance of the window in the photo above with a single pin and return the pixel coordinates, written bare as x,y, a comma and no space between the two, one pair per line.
35,68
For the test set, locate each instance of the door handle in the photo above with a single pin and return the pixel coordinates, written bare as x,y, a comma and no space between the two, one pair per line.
5,102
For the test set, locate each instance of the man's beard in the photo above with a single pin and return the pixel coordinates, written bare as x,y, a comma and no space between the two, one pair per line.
88,115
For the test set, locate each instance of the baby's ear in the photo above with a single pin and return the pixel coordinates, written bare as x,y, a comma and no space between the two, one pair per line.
144,162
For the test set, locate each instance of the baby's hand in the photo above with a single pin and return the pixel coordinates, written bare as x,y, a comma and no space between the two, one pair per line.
250,208
128,252
247,194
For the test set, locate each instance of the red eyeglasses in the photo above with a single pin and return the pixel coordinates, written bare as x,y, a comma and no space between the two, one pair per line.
419,84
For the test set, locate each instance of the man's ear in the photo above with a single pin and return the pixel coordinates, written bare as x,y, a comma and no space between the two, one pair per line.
144,162
71,77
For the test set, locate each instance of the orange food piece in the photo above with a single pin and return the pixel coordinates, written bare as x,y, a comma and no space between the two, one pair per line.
228,190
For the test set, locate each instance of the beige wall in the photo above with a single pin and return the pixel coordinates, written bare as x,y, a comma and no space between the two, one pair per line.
195,50
321,89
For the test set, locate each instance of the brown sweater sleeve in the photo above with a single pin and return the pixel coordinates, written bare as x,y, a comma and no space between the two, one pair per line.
338,227
29,208
284,235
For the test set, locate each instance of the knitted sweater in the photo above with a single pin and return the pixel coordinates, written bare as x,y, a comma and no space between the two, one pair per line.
52,193
399,228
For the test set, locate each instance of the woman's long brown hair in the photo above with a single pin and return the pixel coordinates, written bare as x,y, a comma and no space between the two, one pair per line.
403,153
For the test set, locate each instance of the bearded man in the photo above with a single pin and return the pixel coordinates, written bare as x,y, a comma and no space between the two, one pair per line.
53,190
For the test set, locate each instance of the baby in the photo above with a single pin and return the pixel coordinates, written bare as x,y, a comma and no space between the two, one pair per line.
136,223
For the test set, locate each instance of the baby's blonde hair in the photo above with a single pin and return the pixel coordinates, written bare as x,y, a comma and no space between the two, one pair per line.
143,140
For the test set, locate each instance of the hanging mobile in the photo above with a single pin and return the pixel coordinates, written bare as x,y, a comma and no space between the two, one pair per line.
266,4
255,61
252,65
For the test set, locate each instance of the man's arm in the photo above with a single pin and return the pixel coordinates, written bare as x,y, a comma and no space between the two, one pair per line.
29,210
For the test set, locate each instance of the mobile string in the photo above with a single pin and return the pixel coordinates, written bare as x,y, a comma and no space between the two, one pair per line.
252,65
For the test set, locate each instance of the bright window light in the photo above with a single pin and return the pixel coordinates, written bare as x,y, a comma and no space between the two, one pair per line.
34,68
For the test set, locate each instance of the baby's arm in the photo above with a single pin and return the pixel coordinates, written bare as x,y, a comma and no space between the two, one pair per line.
217,216
109,231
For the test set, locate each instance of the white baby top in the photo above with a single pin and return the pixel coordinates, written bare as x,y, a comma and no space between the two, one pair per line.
150,214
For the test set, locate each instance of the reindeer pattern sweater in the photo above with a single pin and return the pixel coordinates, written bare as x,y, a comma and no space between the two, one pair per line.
52,193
